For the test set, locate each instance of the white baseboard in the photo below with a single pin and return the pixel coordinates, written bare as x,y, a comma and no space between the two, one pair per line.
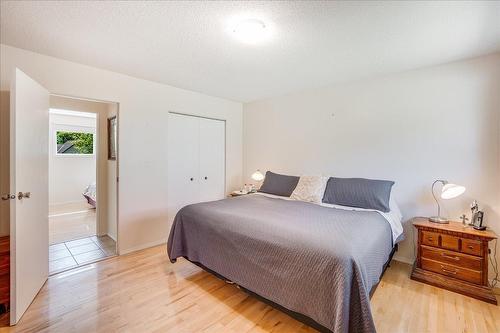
406,260
142,246
73,202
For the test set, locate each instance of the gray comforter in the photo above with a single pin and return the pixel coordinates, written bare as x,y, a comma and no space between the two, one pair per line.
318,261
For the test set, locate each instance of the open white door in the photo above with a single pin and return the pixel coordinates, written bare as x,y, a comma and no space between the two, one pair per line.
29,243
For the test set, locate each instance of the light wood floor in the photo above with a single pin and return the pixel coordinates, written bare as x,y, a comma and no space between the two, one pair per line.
143,292
71,221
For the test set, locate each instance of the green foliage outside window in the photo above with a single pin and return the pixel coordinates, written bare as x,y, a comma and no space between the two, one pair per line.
75,143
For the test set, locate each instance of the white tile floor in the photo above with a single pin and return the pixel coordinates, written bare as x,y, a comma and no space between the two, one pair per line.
79,252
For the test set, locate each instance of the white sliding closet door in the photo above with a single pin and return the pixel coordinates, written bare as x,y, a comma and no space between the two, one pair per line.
183,162
196,161
212,159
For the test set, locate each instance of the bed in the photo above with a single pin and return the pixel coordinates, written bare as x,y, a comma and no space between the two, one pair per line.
90,195
318,262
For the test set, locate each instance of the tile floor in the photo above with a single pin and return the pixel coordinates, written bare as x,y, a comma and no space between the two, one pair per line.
79,252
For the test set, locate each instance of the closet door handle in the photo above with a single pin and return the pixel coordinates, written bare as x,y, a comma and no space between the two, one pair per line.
191,179
206,177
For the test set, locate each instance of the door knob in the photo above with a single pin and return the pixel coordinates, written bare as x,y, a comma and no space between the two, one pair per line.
8,196
191,179
21,195
206,178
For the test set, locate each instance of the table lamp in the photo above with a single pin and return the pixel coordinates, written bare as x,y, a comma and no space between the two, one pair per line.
257,176
448,191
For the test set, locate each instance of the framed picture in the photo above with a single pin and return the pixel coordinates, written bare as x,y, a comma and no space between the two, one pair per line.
112,138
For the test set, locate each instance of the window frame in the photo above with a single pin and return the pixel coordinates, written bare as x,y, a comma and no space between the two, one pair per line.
76,129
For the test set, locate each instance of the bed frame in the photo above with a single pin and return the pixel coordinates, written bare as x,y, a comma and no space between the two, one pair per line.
296,315
90,200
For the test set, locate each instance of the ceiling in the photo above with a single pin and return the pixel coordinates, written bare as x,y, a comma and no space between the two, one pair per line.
312,44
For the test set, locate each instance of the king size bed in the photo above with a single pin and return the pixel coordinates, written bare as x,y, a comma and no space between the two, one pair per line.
316,261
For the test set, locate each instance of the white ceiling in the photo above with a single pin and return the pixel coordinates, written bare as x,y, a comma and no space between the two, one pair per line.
313,44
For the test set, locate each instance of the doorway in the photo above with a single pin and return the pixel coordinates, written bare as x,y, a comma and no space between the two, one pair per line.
82,182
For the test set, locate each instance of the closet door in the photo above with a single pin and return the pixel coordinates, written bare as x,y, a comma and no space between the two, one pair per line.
212,159
183,162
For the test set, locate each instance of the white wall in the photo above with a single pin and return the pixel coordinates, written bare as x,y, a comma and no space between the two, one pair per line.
412,127
69,174
143,109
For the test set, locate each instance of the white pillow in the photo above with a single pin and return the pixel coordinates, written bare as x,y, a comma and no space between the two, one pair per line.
310,189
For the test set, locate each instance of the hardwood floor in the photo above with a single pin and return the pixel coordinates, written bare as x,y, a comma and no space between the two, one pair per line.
143,292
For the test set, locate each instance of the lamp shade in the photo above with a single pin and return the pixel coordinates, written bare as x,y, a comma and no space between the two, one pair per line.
257,176
450,191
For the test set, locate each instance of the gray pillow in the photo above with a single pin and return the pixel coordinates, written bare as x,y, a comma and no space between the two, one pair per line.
279,184
359,192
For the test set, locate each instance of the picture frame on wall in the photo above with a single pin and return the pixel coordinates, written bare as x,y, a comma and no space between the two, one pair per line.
112,138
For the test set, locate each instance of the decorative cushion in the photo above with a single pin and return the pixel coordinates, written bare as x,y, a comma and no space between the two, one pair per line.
310,189
279,184
359,192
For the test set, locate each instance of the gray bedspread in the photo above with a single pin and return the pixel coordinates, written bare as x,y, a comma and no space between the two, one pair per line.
318,261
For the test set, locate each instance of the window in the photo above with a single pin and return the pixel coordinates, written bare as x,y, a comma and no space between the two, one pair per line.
75,143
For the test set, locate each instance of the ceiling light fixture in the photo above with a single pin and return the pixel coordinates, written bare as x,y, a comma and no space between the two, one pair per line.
251,31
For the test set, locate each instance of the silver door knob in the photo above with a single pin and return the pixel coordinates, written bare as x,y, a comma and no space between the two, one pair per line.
21,195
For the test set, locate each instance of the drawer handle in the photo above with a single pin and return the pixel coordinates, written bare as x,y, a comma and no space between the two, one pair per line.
450,257
454,272
429,238
470,247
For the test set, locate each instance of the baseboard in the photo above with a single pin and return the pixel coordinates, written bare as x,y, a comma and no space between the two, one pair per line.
403,259
143,246
74,202
112,237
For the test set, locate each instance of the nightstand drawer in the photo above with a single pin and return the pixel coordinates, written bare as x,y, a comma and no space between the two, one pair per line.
450,242
453,258
452,271
471,246
430,238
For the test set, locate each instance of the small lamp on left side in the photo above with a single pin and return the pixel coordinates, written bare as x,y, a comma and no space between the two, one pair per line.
258,177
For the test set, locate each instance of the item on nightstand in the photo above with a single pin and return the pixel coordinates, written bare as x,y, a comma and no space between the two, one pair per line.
474,208
478,221
448,191
238,193
249,188
464,219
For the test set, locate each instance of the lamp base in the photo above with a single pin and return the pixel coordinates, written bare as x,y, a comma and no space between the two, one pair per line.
439,219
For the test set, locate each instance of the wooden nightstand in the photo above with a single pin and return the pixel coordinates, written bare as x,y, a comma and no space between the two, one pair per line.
454,257
235,194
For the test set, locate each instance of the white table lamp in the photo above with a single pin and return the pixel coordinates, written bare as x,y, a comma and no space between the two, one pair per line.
257,176
448,191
